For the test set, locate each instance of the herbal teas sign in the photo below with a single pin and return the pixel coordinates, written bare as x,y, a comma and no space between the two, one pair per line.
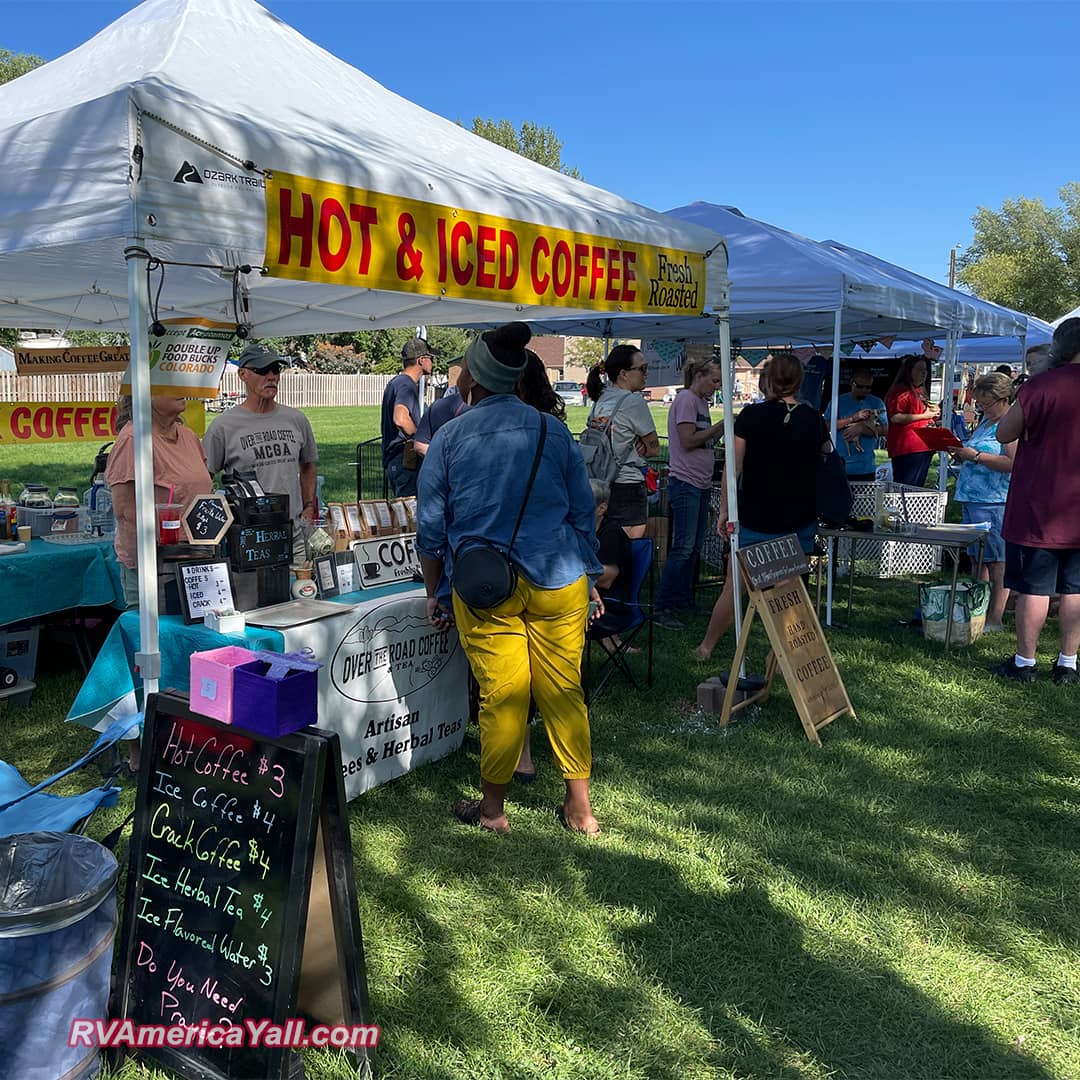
232,833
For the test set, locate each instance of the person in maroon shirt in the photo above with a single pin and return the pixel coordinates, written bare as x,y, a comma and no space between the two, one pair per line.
1042,514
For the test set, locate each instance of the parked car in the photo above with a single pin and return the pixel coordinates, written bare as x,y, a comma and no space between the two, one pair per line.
570,392
669,396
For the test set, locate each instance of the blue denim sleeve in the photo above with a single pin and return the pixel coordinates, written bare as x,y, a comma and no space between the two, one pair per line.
431,502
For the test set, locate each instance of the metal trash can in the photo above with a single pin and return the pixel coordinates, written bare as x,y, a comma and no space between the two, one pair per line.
57,928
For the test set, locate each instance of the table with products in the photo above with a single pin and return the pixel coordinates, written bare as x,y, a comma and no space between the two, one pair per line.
953,540
393,688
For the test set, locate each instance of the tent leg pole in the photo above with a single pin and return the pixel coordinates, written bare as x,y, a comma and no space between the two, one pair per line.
148,658
952,340
834,406
727,363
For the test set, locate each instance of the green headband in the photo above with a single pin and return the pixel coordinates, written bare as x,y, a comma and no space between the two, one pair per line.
488,372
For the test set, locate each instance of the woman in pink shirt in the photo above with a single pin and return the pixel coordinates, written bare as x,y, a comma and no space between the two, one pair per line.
179,466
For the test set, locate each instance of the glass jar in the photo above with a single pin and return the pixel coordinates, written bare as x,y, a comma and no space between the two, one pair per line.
66,497
35,497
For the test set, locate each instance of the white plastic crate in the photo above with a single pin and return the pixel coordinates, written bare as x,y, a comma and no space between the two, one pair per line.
894,558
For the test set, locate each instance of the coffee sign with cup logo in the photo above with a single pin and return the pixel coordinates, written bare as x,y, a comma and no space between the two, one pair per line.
386,560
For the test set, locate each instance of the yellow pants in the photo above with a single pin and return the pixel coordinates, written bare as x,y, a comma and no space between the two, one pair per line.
530,643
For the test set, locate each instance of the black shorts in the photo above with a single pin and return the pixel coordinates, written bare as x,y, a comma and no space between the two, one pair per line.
628,505
1036,571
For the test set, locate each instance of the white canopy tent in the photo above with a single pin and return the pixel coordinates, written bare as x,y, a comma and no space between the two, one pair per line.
1074,314
975,350
154,144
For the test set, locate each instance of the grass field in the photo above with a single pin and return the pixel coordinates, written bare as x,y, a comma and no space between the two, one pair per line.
897,905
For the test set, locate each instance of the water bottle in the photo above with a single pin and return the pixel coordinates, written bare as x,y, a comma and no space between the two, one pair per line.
97,499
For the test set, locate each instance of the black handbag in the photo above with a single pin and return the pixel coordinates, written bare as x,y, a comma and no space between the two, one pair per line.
484,576
834,501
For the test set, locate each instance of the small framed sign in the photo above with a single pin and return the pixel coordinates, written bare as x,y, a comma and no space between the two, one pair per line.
326,576
346,572
206,519
387,561
203,587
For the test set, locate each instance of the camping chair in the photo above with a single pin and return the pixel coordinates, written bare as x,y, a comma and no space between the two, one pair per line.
632,618
32,809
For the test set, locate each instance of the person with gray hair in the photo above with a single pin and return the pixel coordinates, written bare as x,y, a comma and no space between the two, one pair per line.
273,441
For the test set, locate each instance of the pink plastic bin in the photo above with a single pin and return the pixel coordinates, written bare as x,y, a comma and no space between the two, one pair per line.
212,680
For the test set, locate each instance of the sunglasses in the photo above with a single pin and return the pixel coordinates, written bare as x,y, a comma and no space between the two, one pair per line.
862,386
273,369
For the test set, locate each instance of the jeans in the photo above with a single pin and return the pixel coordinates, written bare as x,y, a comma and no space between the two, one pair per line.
690,509
401,481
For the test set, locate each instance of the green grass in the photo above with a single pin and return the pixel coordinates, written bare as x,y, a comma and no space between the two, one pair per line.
897,905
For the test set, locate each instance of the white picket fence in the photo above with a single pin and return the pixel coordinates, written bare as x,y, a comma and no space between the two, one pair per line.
301,389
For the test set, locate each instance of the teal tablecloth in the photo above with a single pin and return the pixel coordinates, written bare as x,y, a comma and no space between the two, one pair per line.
55,577
114,689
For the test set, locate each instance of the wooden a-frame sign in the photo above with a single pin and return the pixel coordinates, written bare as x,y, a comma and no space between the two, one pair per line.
241,898
777,594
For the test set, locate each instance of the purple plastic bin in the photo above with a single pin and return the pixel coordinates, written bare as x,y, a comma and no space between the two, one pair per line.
276,693
212,680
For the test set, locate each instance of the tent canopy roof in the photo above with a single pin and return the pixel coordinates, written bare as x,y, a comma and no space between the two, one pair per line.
224,89
785,287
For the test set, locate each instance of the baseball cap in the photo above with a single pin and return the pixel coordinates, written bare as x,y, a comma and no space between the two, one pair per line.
258,357
416,347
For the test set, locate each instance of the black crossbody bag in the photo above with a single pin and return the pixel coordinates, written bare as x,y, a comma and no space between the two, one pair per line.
484,576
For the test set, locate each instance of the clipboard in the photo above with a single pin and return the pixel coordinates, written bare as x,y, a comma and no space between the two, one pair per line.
937,438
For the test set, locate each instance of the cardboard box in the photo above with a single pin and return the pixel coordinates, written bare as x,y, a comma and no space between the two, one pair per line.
212,675
276,693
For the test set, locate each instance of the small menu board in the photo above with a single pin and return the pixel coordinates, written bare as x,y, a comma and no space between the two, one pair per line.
203,587
206,519
240,902
773,571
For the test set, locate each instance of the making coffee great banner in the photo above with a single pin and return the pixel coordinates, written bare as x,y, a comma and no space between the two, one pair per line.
320,231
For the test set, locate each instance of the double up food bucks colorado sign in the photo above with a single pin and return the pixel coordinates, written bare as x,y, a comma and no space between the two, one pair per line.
319,231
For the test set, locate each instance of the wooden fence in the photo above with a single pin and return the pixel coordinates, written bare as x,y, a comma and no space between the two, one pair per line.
301,389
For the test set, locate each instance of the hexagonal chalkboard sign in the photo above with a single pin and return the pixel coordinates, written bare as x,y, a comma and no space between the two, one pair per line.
206,519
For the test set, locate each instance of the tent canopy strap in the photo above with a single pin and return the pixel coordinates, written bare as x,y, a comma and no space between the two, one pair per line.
244,163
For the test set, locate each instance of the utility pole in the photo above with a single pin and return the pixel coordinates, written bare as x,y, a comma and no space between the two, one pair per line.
952,266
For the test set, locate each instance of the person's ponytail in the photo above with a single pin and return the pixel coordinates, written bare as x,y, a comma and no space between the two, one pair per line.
594,384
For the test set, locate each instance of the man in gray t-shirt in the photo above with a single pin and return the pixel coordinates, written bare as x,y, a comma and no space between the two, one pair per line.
271,440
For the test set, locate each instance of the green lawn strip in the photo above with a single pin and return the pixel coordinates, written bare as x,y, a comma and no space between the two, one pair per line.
899,903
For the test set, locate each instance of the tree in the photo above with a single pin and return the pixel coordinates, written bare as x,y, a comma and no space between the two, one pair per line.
1027,254
539,144
12,65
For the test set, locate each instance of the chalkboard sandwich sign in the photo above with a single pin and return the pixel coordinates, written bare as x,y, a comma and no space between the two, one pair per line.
240,903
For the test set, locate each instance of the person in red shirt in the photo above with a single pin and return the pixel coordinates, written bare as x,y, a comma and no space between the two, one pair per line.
1042,513
907,409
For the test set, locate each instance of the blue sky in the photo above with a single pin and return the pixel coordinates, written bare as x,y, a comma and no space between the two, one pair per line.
883,125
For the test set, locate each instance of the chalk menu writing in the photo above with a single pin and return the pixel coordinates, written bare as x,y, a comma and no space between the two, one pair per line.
222,821
207,518
252,546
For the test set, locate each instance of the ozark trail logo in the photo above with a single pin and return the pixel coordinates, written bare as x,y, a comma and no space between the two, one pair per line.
187,174
391,652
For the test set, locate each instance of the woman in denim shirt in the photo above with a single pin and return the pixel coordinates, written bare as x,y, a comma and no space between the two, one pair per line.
472,485
983,485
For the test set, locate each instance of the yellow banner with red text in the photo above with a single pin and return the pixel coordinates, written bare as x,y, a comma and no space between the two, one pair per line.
74,421
319,231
